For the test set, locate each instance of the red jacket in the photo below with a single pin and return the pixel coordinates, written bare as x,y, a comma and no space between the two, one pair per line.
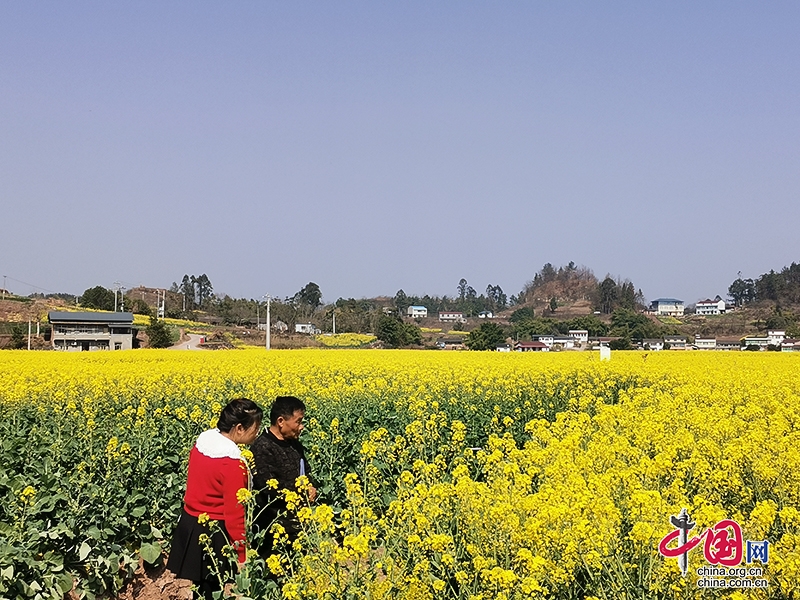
216,472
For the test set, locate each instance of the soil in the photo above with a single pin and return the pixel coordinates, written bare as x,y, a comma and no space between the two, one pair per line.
156,584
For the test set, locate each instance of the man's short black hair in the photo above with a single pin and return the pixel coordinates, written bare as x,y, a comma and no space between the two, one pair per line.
285,406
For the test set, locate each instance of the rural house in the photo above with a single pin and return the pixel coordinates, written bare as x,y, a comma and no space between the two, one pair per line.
458,317
307,328
702,342
417,312
761,341
581,336
87,331
531,347
710,307
676,342
729,344
776,336
668,307
654,344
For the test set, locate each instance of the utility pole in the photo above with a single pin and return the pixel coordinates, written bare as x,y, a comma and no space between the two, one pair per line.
334,320
117,285
4,287
122,299
267,343
29,334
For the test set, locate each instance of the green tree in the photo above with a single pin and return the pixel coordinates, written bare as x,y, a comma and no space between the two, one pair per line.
553,304
496,297
205,290
392,331
742,291
17,337
187,289
412,335
536,326
525,313
627,323
623,343
401,302
462,289
140,307
310,295
777,320
486,337
159,333
98,297
608,295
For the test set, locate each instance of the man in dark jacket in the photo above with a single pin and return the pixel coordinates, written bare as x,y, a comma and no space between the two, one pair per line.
279,455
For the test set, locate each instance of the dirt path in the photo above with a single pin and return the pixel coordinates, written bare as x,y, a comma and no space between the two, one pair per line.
193,343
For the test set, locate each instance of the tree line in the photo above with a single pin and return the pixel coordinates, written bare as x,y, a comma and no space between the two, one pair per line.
781,287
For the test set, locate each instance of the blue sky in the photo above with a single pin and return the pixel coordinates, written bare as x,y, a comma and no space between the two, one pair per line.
375,146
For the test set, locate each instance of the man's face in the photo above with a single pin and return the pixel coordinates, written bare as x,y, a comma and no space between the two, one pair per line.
291,427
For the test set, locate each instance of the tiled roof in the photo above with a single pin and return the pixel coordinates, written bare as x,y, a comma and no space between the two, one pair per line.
90,317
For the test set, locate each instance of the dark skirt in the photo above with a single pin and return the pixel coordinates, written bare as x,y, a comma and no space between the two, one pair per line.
188,558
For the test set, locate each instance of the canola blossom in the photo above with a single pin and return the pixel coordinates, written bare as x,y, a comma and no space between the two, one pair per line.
345,340
441,475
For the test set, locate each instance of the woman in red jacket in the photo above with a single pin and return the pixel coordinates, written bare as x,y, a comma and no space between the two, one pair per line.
217,472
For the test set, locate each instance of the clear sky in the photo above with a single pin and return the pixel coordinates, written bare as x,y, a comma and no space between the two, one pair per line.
375,146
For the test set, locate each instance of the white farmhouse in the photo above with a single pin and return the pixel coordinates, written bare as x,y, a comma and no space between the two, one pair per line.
450,315
676,342
307,328
776,337
667,306
581,336
702,342
710,307
417,312
654,344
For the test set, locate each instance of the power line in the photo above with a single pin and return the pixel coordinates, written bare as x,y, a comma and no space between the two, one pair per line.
38,287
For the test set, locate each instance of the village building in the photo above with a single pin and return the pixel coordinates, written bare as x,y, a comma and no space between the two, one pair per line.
776,336
762,341
451,344
455,316
654,344
729,344
417,312
531,347
676,342
88,331
307,328
671,307
710,307
564,342
581,336
705,343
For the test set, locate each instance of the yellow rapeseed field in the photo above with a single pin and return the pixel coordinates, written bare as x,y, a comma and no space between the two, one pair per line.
442,475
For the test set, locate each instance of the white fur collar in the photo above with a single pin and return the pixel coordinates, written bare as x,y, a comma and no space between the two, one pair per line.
213,444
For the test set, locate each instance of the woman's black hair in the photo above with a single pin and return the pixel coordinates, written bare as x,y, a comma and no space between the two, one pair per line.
240,411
